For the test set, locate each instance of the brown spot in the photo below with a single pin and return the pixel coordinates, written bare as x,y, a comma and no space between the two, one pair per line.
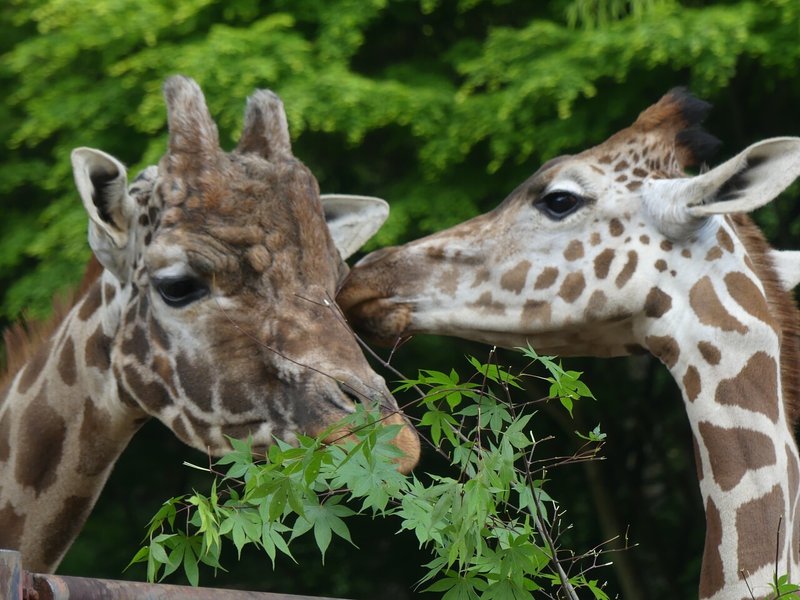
235,396
136,344
657,303
709,309
109,292
34,368
634,185
144,220
12,524
712,575
645,239
628,270
710,352
158,337
66,363
152,395
605,159
97,352
41,434
686,253
749,297
572,287
621,179
535,311
92,301
665,348
448,282
574,250
661,265
595,239
621,165
754,388
602,263
666,245
66,524
481,276
98,449
724,240
691,383
757,524
639,172
615,227
546,278
596,304
196,380
734,451
487,304
714,254
514,279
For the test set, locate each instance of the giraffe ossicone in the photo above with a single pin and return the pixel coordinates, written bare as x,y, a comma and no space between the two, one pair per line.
211,309
616,250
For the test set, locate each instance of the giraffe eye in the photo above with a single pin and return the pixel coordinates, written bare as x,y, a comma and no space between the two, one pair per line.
179,292
557,205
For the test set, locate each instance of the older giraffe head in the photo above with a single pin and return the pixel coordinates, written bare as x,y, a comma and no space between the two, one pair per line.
570,260
221,272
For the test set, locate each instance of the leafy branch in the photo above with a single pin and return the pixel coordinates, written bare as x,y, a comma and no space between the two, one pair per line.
491,528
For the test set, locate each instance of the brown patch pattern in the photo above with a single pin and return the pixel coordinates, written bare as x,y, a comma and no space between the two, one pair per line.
43,432
535,311
615,227
712,575
749,297
97,352
572,287
597,302
657,303
661,265
691,383
546,278
714,254
97,448
487,304
574,250
66,363
514,279
65,526
664,347
753,519
628,270
93,301
735,451
709,352
724,240
602,263
12,524
708,308
754,388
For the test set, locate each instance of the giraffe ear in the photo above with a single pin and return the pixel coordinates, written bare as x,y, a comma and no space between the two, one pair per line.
352,220
102,184
744,183
748,181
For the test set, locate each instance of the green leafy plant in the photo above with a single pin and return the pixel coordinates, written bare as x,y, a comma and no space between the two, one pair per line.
491,528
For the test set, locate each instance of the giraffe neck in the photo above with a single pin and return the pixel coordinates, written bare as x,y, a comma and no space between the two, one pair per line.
62,427
729,371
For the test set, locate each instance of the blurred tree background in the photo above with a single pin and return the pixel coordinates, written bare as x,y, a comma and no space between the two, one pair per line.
440,106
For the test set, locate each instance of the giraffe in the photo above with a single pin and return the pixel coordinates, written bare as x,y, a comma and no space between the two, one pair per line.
615,251
210,309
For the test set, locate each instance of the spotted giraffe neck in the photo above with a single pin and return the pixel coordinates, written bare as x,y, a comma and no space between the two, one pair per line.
62,428
747,459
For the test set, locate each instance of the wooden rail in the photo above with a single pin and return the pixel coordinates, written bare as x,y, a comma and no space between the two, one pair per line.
18,584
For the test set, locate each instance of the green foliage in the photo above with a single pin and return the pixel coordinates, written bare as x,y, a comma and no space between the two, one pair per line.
490,530
415,101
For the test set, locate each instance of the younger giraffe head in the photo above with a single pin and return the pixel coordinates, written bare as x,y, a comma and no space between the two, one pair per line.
586,251
219,283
